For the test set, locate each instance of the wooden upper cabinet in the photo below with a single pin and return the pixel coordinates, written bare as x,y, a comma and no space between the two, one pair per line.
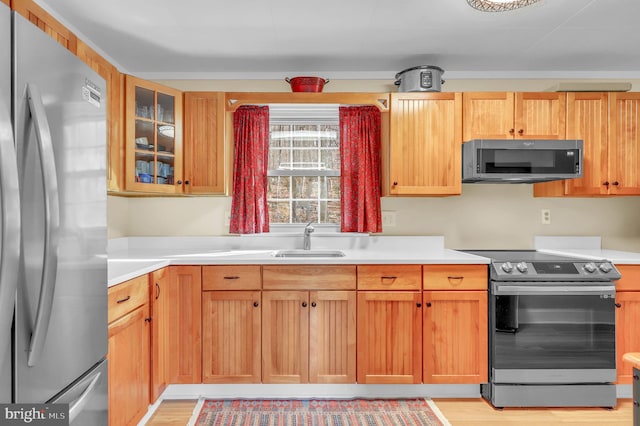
204,156
153,138
389,330
424,146
608,124
624,143
587,119
47,23
507,115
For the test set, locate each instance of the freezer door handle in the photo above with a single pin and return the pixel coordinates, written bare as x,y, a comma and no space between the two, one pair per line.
76,407
52,224
10,230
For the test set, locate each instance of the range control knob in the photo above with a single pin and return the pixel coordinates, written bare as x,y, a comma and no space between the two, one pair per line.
590,267
507,267
522,267
605,267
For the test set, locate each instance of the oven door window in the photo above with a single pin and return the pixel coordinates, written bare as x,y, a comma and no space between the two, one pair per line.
529,161
553,331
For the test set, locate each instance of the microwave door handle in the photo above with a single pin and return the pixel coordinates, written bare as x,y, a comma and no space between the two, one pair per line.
9,232
583,290
52,224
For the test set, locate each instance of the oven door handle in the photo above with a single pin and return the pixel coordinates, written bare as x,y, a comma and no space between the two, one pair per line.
577,290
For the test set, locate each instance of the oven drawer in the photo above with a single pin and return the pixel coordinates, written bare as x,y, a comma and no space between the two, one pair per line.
455,277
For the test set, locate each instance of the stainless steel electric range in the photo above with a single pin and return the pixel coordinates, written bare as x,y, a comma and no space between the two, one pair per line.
551,330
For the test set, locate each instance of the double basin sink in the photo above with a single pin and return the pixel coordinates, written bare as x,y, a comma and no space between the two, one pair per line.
309,253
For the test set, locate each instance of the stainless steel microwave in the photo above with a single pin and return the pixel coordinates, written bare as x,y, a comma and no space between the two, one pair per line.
521,160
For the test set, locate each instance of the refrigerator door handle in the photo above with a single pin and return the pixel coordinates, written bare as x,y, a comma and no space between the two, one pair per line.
52,224
10,243
79,404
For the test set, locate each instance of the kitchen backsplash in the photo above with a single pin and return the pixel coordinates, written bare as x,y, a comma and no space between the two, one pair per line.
483,217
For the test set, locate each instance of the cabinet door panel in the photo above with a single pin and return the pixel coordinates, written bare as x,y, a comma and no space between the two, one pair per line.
627,332
231,324
488,115
540,115
158,287
389,330
455,337
285,337
425,154
624,143
184,363
204,142
332,337
128,359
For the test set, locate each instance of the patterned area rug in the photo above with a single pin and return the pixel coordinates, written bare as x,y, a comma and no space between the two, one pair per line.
318,412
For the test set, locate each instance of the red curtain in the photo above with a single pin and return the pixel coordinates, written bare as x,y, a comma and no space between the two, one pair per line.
360,169
249,213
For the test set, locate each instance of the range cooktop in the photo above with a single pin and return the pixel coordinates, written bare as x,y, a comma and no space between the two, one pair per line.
533,265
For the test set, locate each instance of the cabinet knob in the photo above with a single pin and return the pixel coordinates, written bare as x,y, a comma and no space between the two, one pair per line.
179,182
606,183
618,305
148,319
428,304
313,304
304,304
636,404
419,305
186,182
512,131
615,183
521,131
256,304
395,183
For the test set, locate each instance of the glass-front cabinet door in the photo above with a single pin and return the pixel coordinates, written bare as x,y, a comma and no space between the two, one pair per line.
153,137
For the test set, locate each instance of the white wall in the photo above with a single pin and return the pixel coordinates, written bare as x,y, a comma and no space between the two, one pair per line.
484,216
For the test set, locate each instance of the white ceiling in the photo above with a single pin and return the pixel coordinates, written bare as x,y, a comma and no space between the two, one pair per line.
358,38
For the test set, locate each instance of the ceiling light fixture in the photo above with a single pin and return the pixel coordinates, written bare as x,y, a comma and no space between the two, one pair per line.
499,5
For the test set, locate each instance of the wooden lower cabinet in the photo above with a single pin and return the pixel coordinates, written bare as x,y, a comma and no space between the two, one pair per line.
128,352
627,319
184,317
231,346
389,330
158,284
308,336
455,337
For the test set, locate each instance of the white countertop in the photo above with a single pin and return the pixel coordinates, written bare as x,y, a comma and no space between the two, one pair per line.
132,257
589,247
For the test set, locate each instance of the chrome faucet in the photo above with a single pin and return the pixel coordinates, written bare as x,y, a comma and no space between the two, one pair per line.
307,236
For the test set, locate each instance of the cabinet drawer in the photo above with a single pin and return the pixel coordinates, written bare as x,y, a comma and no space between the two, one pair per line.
125,297
630,280
389,277
455,277
231,277
309,277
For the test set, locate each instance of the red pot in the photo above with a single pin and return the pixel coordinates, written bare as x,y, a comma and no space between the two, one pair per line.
306,84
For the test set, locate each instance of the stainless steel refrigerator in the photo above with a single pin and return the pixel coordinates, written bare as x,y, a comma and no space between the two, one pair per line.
53,233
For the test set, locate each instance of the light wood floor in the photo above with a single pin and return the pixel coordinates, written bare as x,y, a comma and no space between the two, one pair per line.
461,412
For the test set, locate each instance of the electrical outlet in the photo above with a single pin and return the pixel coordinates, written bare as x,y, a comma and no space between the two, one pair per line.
546,216
388,218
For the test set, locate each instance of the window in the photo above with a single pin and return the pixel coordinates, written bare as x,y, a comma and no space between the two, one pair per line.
304,164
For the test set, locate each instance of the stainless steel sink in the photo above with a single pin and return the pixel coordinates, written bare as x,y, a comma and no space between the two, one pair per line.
309,253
